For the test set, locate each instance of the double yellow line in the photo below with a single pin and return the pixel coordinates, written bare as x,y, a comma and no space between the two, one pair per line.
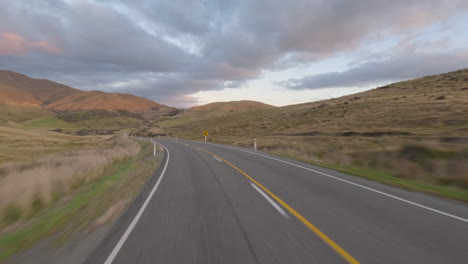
345,255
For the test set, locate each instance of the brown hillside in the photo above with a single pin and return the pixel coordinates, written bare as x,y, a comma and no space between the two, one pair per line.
101,100
20,89
222,108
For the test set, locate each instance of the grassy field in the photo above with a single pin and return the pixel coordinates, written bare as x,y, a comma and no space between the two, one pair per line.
415,130
26,144
50,123
97,198
15,114
48,177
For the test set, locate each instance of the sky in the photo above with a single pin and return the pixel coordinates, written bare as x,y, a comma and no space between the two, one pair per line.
184,53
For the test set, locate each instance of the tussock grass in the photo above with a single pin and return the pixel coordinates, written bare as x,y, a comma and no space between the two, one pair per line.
88,206
23,144
45,180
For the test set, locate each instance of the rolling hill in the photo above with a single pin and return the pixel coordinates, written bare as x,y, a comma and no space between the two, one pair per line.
100,100
217,109
16,88
23,98
223,108
434,104
416,129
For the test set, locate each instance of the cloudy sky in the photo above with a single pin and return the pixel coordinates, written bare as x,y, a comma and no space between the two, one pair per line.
184,53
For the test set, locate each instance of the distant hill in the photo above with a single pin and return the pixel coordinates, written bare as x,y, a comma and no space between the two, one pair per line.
21,91
223,108
101,119
16,88
416,129
433,103
101,100
208,111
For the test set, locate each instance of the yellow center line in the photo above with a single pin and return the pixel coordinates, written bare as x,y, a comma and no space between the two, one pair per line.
345,255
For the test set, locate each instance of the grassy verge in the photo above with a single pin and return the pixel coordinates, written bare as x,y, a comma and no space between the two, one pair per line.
79,210
49,123
382,177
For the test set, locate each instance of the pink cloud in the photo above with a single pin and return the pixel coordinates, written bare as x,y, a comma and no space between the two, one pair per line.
14,44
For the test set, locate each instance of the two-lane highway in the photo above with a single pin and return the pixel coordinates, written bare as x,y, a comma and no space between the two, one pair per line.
217,204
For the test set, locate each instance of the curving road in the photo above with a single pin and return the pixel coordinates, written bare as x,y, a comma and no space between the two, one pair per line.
218,204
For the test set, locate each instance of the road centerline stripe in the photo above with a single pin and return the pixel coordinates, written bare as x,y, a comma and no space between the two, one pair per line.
353,183
345,255
275,205
137,217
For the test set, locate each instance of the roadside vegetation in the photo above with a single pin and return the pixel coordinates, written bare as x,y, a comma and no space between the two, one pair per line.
21,144
59,195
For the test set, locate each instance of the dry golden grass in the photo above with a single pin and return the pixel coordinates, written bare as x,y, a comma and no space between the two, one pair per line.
48,178
85,208
22,144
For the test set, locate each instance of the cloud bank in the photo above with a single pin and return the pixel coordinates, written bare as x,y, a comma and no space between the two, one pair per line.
169,50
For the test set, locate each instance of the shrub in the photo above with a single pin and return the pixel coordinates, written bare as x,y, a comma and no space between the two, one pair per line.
37,204
12,213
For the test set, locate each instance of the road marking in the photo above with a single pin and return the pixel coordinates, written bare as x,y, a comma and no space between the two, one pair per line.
217,159
276,206
306,222
356,184
132,225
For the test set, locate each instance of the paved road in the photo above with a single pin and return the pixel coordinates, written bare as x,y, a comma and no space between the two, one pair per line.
218,204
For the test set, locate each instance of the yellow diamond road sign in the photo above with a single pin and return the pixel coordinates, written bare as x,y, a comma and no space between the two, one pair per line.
205,133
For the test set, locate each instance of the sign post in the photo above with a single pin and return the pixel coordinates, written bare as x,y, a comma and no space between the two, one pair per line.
206,134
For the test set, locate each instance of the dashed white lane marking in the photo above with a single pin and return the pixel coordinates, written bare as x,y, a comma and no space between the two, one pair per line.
355,184
275,205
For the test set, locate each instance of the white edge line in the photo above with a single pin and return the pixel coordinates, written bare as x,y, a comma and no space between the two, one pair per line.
217,159
355,184
275,205
132,225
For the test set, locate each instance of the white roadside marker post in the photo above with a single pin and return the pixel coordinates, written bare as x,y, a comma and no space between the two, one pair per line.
255,144
154,149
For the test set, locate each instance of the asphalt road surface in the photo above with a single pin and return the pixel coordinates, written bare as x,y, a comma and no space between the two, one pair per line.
217,204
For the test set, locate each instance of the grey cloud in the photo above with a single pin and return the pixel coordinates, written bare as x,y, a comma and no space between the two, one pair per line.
405,66
106,42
